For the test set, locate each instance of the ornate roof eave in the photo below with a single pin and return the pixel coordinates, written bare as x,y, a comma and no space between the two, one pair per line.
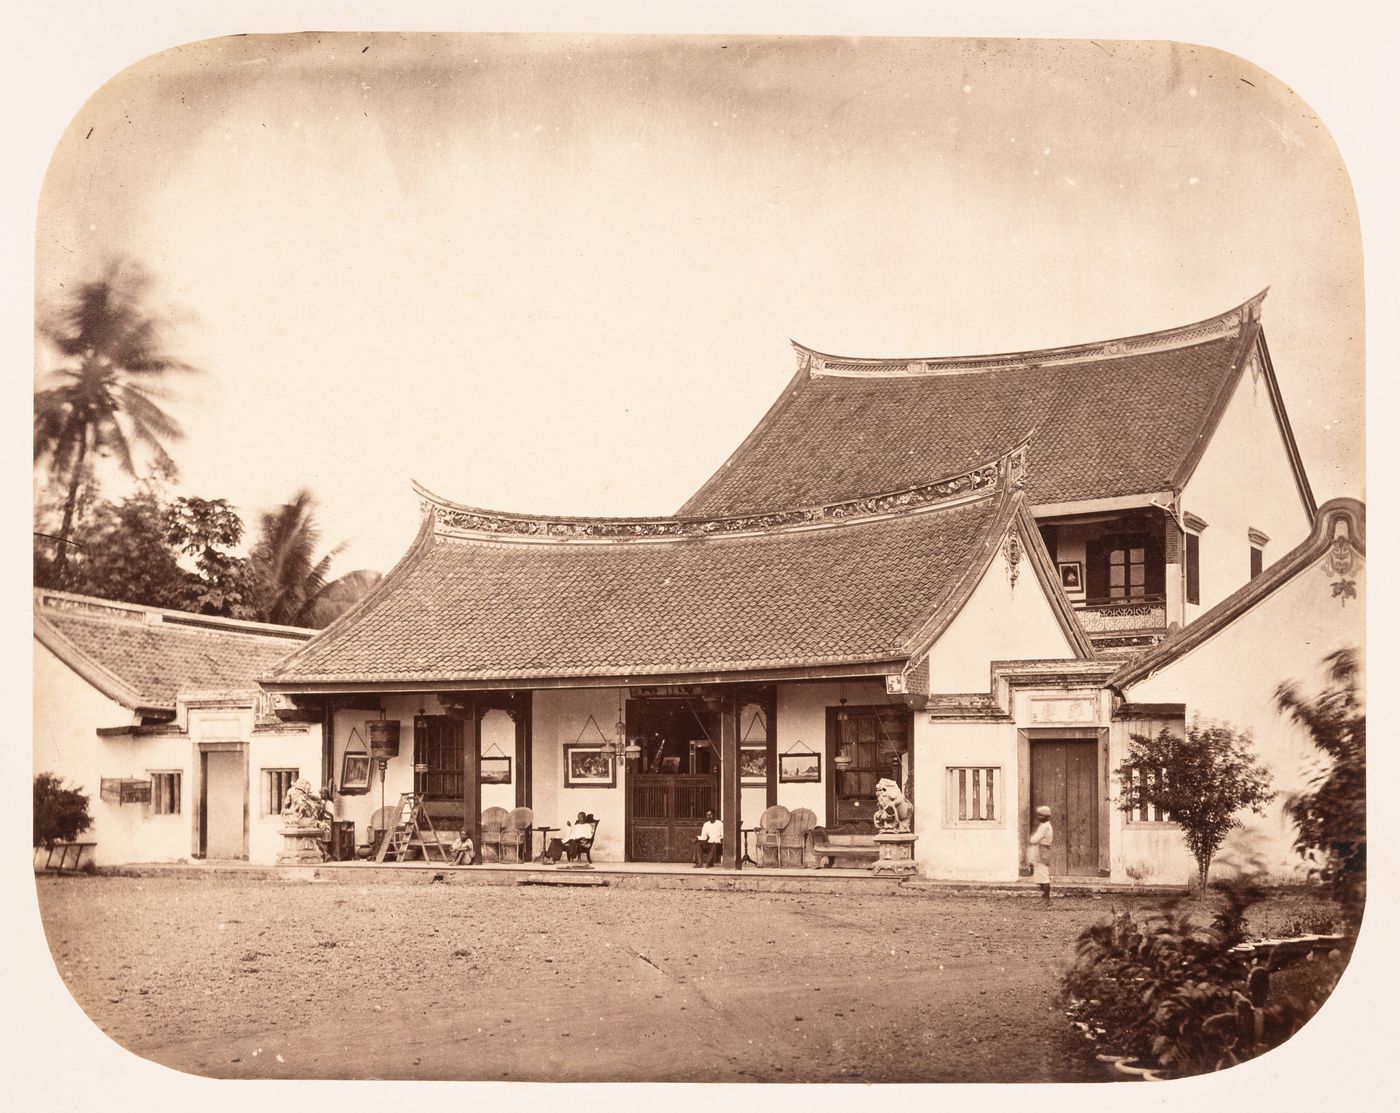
817,364
456,520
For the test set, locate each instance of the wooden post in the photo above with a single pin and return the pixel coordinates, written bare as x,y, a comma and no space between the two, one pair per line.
464,711
729,780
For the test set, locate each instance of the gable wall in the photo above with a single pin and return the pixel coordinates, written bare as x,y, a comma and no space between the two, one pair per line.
999,622
1232,679
1243,481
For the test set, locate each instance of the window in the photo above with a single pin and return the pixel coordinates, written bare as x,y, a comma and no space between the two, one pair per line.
1193,568
1124,568
276,782
165,793
438,757
1257,540
1144,814
973,796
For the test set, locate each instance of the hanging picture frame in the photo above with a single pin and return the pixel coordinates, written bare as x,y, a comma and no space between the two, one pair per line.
355,767
495,770
589,766
753,765
799,767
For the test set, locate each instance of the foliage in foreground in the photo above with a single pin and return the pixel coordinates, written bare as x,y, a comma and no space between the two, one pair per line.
1202,780
60,814
1331,814
1170,991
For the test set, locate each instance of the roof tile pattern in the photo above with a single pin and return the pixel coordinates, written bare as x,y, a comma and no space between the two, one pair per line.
473,609
1115,426
159,660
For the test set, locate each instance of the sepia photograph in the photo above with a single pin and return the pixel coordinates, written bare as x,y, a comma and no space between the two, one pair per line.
954,446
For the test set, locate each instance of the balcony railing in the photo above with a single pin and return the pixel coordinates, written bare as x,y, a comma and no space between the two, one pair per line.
1104,617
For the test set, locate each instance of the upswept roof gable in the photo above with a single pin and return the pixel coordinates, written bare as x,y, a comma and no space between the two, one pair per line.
1113,418
488,597
143,656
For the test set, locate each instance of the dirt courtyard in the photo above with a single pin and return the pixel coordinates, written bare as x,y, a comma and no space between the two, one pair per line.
419,980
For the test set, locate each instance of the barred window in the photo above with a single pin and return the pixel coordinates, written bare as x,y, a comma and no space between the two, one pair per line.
276,782
1144,813
165,793
973,795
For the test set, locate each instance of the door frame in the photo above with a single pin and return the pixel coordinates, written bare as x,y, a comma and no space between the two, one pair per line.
832,743
200,796
1024,737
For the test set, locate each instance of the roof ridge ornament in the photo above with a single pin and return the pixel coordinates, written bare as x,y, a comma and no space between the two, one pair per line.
453,519
1227,324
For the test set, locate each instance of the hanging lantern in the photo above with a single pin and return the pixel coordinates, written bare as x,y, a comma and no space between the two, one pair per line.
383,739
842,761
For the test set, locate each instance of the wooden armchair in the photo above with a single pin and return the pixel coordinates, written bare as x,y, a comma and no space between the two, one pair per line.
517,835
794,843
493,825
770,828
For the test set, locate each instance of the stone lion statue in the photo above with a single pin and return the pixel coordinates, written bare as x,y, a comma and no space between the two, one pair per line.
893,812
302,808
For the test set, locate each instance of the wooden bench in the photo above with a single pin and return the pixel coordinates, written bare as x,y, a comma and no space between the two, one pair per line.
62,850
842,843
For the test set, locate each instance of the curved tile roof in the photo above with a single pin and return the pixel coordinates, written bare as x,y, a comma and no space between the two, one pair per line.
143,656
1112,418
485,596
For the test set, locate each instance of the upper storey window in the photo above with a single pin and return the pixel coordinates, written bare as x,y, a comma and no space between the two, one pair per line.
1125,568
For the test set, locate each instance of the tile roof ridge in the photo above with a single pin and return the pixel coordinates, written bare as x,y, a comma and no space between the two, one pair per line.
815,364
453,519
94,608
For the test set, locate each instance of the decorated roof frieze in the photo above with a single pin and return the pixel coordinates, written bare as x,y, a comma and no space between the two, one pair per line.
450,518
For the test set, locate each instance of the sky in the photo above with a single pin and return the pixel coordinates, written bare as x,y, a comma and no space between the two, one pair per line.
559,274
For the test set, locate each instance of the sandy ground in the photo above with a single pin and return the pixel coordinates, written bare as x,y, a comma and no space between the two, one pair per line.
284,979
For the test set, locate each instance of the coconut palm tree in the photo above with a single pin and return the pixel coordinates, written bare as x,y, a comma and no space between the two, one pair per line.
293,582
109,383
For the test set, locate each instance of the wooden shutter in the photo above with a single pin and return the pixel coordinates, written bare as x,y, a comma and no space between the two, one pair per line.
1096,570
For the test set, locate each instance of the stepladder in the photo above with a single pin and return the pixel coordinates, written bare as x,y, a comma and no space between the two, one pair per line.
412,834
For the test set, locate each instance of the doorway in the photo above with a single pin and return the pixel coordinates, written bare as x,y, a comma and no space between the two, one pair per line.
677,777
1065,777
223,800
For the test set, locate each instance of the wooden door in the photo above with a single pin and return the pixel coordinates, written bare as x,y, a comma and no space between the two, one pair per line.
665,814
1065,776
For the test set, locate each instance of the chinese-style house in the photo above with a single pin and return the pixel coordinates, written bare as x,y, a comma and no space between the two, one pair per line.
976,577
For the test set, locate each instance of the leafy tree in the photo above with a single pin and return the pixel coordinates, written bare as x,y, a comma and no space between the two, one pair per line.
60,814
1331,814
113,361
1203,781
292,584
203,528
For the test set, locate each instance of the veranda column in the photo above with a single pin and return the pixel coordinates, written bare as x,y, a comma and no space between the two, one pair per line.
729,779
464,710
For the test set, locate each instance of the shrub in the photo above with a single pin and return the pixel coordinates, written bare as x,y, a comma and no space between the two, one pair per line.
60,814
1174,993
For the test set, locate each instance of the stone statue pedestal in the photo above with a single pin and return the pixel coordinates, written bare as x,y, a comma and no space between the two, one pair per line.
896,854
302,846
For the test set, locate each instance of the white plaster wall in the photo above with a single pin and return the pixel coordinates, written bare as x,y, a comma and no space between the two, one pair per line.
1232,679
300,751
1150,853
998,623
67,712
1243,480
133,833
802,726
944,850
498,737
559,717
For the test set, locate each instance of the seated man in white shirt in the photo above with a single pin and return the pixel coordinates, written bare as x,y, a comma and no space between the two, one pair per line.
708,842
578,833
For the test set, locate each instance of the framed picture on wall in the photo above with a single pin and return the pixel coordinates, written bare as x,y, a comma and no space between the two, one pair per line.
589,767
753,765
803,768
354,773
1072,576
495,770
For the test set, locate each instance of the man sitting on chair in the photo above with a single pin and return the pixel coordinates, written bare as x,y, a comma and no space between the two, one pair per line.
571,838
708,842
